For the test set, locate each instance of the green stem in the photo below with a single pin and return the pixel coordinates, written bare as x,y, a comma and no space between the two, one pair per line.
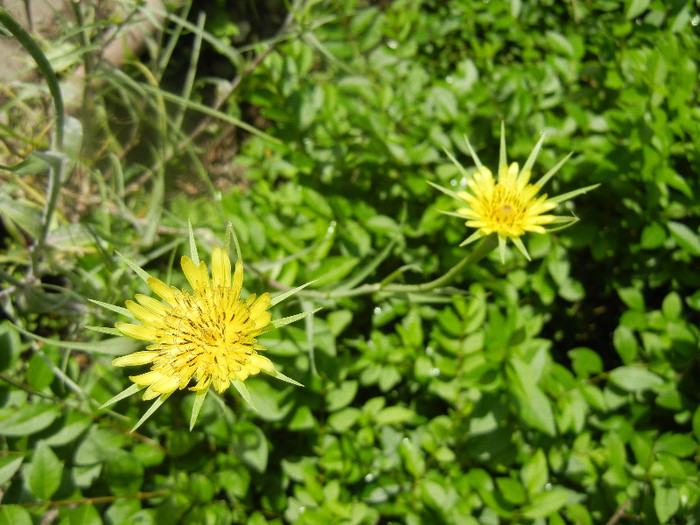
482,250
55,174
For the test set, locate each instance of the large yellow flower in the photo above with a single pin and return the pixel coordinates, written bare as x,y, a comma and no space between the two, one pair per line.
508,206
206,337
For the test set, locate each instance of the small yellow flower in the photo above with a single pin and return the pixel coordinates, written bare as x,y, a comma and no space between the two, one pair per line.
509,206
207,336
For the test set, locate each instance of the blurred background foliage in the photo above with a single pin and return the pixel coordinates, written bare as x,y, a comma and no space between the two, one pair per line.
556,391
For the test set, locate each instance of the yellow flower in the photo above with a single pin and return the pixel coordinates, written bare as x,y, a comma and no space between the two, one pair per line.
509,206
206,337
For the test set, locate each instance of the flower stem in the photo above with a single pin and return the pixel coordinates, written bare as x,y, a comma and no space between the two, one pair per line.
55,173
482,249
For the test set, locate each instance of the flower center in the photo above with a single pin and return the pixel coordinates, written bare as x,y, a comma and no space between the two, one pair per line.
505,208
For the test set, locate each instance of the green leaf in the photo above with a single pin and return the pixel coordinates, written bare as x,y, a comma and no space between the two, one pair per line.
696,423
9,345
686,238
341,396
14,515
29,419
86,514
632,297
39,373
250,445
585,362
344,419
394,415
8,467
625,343
511,490
333,269
535,472
634,379
412,458
672,306
45,472
666,502
636,8
535,407
545,503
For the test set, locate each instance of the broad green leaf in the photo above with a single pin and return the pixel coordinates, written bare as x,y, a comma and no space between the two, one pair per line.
636,8
394,415
29,419
8,467
634,379
535,472
14,515
535,407
632,297
45,472
412,458
585,362
625,343
545,503
666,502
333,269
9,345
87,514
39,373
696,423
686,238
672,306
249,444
341,396
344,419
511,489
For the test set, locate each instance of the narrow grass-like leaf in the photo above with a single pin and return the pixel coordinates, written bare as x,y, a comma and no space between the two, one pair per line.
245,394
368,268
197,406
309,326
155,406
231,234
571,194
113,307
122,395
533,155
445,190
475,157
279,375
545,178
289,320
281,297
473,237
193,245
135,267
502,159
104,330
520,246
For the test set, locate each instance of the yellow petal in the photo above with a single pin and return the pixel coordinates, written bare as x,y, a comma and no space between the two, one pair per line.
147,378
137,358
202,384
237,280
154,305
166,384
143,314
263,363
220,268
163,290
262,304
197,276
136,331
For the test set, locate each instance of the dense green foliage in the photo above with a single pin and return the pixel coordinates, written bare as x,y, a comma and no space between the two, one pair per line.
554,391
